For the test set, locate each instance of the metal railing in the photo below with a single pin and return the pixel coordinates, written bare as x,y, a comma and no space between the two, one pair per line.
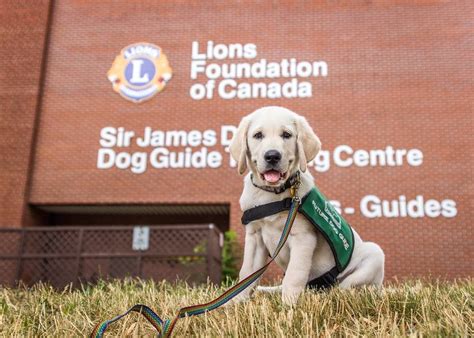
72,254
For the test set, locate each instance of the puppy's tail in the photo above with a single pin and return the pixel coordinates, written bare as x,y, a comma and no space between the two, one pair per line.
269,289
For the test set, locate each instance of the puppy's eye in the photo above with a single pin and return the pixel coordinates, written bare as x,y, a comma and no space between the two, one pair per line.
286,135
258,135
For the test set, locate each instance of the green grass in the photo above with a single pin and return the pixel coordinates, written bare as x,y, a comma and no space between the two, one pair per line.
407,309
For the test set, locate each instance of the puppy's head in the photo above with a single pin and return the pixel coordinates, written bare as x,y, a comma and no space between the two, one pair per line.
274,143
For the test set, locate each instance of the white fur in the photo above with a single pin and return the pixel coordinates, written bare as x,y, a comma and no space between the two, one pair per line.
306,254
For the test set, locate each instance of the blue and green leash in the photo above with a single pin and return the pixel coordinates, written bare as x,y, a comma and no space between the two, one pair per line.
165,327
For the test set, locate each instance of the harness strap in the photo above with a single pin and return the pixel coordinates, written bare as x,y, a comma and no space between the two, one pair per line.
325,281
165,327
265,210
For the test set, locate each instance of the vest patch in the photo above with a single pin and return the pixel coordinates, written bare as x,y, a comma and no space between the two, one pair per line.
319,211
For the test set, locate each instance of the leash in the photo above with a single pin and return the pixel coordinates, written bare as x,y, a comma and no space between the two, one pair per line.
165,327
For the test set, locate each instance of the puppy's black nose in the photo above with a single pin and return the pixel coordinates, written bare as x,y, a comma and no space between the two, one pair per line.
272,156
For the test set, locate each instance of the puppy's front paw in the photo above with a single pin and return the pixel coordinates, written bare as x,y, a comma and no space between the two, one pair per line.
290,297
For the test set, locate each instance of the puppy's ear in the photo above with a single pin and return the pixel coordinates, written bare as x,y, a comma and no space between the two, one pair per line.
308,143
238,145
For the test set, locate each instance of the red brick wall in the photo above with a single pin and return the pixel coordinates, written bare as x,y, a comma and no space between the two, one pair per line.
399,75
23,26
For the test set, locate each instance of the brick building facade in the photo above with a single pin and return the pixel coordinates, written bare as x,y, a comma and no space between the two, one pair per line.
390,96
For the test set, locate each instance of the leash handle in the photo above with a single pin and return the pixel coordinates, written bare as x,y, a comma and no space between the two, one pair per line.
165,327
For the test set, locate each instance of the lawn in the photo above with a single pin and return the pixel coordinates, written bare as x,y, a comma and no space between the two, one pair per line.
411,308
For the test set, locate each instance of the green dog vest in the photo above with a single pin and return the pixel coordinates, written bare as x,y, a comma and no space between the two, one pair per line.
319,211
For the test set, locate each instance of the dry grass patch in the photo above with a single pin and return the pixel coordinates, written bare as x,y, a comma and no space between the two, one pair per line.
410,309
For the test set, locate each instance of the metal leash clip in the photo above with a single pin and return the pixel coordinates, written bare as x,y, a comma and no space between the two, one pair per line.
294,189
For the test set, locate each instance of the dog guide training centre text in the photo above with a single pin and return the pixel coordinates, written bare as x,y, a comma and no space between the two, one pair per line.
119,118
193,152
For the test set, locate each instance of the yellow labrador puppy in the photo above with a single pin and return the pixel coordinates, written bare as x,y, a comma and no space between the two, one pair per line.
276,144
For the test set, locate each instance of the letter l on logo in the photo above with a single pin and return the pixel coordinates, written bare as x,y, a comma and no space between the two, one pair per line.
136,73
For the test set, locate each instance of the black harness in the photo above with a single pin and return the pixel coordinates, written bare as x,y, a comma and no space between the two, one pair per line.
322,282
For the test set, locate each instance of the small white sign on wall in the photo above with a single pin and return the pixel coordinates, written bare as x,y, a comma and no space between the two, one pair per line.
141,238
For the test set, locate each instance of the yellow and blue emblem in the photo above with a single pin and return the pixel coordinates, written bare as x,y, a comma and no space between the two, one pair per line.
140,71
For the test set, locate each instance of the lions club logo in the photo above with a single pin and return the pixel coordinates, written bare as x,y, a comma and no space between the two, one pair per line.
140,71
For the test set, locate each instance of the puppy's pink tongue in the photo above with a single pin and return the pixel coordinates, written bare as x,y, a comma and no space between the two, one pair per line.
272,176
